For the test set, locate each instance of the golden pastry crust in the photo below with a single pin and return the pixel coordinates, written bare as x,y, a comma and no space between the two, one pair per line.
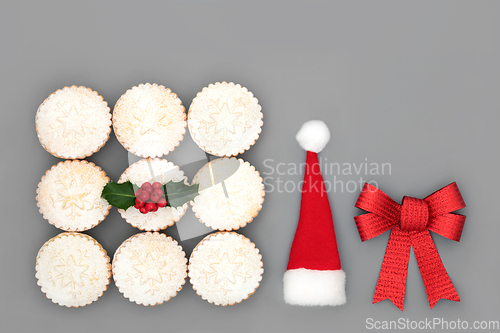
73,269
73,122
69,195
225,119
149,268
231,194
225,268
149,120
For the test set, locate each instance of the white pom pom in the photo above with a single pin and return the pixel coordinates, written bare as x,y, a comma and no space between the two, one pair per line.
313,136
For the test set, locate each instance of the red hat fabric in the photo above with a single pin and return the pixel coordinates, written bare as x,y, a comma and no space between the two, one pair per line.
314,275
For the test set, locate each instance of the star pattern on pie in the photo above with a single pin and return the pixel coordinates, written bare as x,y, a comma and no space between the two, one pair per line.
73,195
225,120
72,122
225,269
151,270
150,118
71,271
227,200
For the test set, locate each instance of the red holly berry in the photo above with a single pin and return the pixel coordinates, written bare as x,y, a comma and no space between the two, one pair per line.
143,210
155,196
150,206
145,185
139,203
162,202
138,193
155,208
156,185
144,196
147,189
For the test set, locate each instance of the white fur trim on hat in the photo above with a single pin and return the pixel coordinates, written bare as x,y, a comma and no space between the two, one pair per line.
313,136
314,287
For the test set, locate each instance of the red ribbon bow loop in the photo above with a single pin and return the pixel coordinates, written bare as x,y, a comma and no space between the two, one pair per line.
410,224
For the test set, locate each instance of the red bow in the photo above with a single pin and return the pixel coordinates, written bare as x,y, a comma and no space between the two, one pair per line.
410,224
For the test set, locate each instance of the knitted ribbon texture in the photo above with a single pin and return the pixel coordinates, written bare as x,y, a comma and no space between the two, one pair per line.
410,224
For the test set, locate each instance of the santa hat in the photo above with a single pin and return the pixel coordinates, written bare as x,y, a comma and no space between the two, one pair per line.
314,275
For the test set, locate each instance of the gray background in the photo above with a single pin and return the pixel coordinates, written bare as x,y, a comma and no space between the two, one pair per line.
414,84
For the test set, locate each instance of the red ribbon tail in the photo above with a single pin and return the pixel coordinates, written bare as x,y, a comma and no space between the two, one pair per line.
392,279
437,283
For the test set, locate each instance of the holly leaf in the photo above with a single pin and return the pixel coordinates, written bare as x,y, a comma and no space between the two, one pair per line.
178,193
119,195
